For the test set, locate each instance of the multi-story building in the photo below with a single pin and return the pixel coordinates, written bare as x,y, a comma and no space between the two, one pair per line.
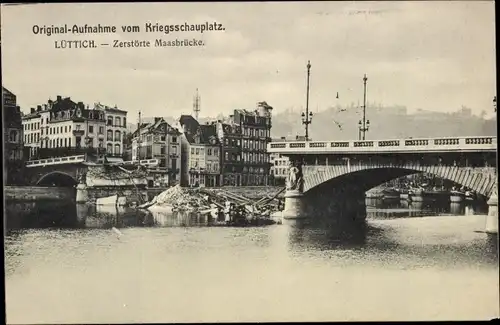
12,138
158,141
279,168
63,127
200,156
116,128
256,134
231,165
244,138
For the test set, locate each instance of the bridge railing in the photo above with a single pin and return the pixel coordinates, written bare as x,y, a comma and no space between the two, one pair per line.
410,144
56,161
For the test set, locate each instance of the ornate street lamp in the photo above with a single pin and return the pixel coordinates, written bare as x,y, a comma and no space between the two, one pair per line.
307,116
495,103
362,129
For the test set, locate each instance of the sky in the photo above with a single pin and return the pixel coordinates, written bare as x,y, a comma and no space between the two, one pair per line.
429,55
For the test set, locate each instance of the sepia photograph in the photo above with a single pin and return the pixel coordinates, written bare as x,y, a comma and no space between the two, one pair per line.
301,161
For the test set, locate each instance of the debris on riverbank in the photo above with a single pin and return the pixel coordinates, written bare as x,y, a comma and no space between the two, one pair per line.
221,205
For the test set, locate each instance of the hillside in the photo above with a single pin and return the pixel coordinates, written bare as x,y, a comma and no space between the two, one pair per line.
385,123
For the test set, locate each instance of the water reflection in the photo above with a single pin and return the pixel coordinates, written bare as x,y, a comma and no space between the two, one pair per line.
176,263
60,214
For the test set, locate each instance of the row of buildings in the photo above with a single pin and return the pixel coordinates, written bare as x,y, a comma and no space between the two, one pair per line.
229,152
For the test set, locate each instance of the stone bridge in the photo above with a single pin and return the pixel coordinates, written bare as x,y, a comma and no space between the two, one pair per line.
334,175
61,172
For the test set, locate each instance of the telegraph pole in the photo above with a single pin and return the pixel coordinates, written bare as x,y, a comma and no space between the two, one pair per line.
196,105
139,137
307,117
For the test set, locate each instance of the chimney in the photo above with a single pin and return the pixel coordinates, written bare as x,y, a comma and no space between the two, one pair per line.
38,108
32,110
157,119
59,98
283,138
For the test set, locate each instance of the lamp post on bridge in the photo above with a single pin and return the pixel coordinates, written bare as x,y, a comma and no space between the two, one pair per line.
307,116
364,124
495,103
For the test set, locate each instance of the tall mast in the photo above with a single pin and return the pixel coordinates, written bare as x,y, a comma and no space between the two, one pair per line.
139,137
196,105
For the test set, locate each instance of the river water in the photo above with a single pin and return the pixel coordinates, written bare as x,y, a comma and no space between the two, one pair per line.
66,264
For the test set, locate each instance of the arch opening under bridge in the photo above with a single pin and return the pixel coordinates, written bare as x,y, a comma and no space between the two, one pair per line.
57,178
363,178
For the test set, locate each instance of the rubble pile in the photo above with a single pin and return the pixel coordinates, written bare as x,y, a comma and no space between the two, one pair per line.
181,199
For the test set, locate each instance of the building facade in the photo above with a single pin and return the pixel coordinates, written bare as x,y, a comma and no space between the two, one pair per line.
279,168
200,156
116,129
159,141
12,138
64,128
256,134
231,165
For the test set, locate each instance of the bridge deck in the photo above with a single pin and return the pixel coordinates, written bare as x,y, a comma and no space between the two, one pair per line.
455,144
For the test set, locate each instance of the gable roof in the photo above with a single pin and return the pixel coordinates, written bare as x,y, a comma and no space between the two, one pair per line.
190,123
155,126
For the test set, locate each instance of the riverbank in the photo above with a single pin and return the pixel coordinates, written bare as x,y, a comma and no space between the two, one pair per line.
34,193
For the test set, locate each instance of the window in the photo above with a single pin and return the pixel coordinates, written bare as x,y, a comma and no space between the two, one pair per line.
101,130
216,152
174,150
13,136
174,139
209,151
162,138
110,121
91,129
197,151
192,151
109,148
124,122
226,156
110,135
117,136
101,143
117,149
118,121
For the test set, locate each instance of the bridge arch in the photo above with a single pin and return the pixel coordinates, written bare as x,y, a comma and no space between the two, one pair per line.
365,177
57,178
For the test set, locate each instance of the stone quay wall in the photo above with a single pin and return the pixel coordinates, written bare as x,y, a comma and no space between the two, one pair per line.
34,193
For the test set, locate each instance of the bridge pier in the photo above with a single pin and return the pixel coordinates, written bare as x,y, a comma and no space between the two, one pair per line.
338,204
295,205
492,217
82,193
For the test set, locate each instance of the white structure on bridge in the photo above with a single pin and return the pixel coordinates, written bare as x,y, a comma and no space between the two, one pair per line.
449,144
